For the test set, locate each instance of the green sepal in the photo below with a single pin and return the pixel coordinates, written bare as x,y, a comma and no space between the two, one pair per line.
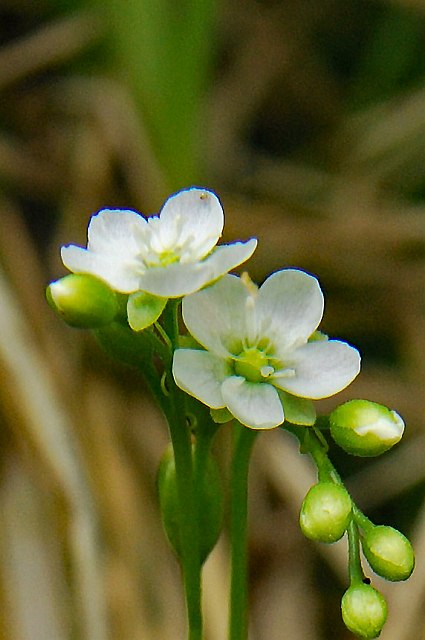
300,411
143,309
210,508
318,336
221,416
83,301
186,341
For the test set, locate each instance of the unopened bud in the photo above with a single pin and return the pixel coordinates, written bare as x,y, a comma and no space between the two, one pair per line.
364,610
389,553
325,512
210,510
83,301
365,428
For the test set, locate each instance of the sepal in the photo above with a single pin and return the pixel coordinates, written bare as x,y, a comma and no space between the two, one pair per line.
144,309
221,416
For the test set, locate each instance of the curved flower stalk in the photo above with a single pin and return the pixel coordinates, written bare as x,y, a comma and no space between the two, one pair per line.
169,255
263,359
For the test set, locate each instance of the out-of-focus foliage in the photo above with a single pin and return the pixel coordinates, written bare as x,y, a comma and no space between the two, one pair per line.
307,118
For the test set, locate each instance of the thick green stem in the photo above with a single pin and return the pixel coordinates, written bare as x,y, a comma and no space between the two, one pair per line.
189,529
189,524
140,350
243,443
205,431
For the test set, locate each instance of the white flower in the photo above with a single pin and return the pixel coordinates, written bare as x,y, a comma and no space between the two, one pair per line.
262,360
169,255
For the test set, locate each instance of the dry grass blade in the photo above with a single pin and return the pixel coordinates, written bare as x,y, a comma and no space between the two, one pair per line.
30,400
51,45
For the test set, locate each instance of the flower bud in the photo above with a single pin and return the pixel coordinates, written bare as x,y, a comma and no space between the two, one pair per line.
364,610
389,553
365,428
83,301
325,512
210,504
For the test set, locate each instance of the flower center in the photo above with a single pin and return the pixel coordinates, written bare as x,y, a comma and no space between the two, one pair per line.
253,365
168,257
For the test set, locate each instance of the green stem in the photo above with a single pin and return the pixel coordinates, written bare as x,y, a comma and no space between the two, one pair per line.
140,349
311,442
205,430
171,321
189,529
354,562
189,524
361,520
244,439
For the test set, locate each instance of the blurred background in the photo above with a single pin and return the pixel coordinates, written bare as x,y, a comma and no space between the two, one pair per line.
307,117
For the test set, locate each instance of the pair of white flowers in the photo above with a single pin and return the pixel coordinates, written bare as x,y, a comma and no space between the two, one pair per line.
260,356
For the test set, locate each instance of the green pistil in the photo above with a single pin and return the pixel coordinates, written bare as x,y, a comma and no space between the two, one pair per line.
253,365
168,257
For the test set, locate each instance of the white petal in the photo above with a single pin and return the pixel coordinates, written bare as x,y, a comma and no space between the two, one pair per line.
289,307
174,280
216,316
256,405
112,249
226,257
192,216
116,231
200,374
180,279
386,428
322,369
120,274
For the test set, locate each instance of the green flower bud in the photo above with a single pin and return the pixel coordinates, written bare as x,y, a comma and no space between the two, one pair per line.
325,512
210,501
389,553
364,610
365,428
83,301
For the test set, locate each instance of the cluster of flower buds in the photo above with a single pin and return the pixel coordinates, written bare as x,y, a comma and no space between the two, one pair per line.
390,555
362,428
